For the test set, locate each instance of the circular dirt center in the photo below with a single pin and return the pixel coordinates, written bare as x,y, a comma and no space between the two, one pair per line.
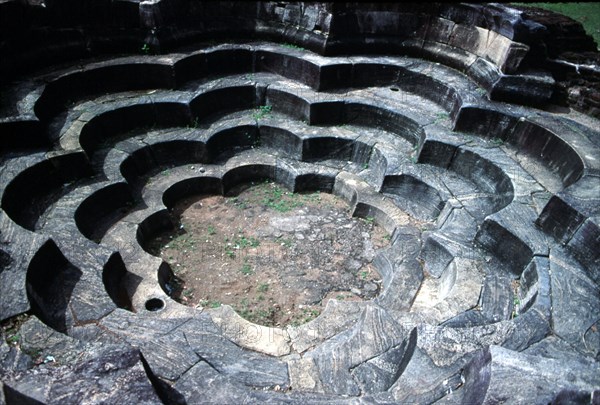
276,257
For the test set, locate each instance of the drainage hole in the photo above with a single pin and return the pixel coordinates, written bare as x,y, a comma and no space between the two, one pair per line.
394,89
155,304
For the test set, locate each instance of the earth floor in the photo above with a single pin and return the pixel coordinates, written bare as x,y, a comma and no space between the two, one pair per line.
276,257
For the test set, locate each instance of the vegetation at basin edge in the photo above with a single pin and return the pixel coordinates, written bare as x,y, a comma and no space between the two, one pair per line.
292,46
588,14
262,112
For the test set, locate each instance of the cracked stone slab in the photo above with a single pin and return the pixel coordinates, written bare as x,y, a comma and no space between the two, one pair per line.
202,383
272,341
336,317
19,247
422,382
109,375
253,369
490,376
162,344
457,290
575,304
11,358
374,334
402,277
380,373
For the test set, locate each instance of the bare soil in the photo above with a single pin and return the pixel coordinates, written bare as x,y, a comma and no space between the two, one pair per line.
276,257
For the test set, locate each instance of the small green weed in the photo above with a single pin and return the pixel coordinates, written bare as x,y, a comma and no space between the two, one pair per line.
307,315
292,46
414,157
210,303
278,199
237,202
229,252
10,328
516,301
262,112
263,287
313,197
246,270
439,117
287,243
243,242
184,241
13,339
242,309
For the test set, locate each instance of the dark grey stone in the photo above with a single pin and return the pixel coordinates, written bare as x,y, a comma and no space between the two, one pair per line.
422,382
11,358
553,347
202,384
575,303
112,374
21,247
490,377
251,369
402,277
374,334
164,347
380,373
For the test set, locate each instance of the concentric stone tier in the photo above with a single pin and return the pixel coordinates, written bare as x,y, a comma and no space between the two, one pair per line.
491,276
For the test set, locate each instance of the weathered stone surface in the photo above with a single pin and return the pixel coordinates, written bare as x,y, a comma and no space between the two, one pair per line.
111,374
202,384
457,290
61,293
401,281
19,247
44,341
489,378
422,382
380,373
450,346
250,368
374,334
335,318
12,359
571,216
553,347
575,303
272,341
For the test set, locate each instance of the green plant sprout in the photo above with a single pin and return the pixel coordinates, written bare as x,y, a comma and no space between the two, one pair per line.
246,269
292,46
262,112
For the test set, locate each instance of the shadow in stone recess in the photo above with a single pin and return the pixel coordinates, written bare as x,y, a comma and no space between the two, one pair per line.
51,280
117,279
